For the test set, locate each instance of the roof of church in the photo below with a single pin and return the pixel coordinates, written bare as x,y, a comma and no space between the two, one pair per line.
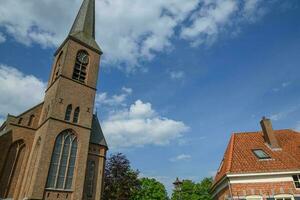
239,157
97,136
83,28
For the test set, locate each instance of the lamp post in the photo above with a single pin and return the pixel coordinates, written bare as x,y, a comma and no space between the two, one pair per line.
177,185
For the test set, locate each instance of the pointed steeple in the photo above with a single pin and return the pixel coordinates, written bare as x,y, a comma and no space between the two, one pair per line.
83,29
85,20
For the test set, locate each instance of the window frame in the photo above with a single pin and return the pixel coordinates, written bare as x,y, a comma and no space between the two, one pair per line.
57,165
254,197
80,69
76,115
296,181
68,112
284,196
31,119
265,157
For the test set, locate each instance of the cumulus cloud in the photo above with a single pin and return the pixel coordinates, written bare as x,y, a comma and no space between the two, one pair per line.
216,16
181,157
140,125
129,31
2,38
114,100
18,91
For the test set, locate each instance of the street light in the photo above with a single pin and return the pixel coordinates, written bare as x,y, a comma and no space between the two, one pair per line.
177,185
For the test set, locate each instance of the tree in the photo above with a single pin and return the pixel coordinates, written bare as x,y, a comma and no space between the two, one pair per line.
191,191
202,189
150,189
121,181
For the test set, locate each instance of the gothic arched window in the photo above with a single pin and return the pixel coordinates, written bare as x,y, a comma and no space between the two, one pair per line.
31,118
63,161
12,168
57,68
68,112
90,177
76,115
80,68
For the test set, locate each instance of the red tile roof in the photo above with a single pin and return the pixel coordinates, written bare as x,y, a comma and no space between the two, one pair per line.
239,156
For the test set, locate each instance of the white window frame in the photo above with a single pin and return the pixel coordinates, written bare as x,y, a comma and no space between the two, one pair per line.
254,197
284,196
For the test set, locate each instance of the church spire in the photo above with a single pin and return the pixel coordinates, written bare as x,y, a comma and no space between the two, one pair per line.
83,29
85,20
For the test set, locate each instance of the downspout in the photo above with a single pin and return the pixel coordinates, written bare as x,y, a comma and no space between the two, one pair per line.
230,189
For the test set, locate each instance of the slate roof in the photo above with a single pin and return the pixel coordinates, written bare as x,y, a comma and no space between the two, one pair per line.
97,136
239,157
83,28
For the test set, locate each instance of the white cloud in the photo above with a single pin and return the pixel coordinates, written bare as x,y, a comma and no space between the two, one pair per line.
181,157
177,75
129,31
18,91
2,38
114,100
216,16
140,125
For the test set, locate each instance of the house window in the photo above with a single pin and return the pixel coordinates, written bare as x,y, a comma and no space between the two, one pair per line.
76,115
296,179
80,68
63,162
68,112
261,154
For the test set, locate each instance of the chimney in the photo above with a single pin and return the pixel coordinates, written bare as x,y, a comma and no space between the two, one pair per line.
268,132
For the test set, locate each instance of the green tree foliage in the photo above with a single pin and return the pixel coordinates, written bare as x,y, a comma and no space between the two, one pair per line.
121,181
150,189
192,191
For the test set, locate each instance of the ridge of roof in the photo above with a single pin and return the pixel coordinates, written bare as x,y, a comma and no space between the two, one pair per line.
260,132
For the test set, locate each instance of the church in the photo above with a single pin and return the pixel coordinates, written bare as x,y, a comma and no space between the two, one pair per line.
56,150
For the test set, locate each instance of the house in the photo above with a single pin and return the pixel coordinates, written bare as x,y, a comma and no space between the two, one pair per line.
56,150
260,165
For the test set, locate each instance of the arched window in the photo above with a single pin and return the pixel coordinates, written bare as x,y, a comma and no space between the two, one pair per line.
80,68
63,161
12,168
57,68
68,112
90,178
20,120
76,115
31,118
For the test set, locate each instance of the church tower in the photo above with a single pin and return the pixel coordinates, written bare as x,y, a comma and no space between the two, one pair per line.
67,155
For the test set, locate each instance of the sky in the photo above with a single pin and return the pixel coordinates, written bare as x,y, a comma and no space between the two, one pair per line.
177,77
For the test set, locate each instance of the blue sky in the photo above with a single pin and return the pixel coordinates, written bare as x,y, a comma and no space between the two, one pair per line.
177,77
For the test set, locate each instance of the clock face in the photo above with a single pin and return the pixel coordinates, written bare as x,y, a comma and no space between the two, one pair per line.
83,57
